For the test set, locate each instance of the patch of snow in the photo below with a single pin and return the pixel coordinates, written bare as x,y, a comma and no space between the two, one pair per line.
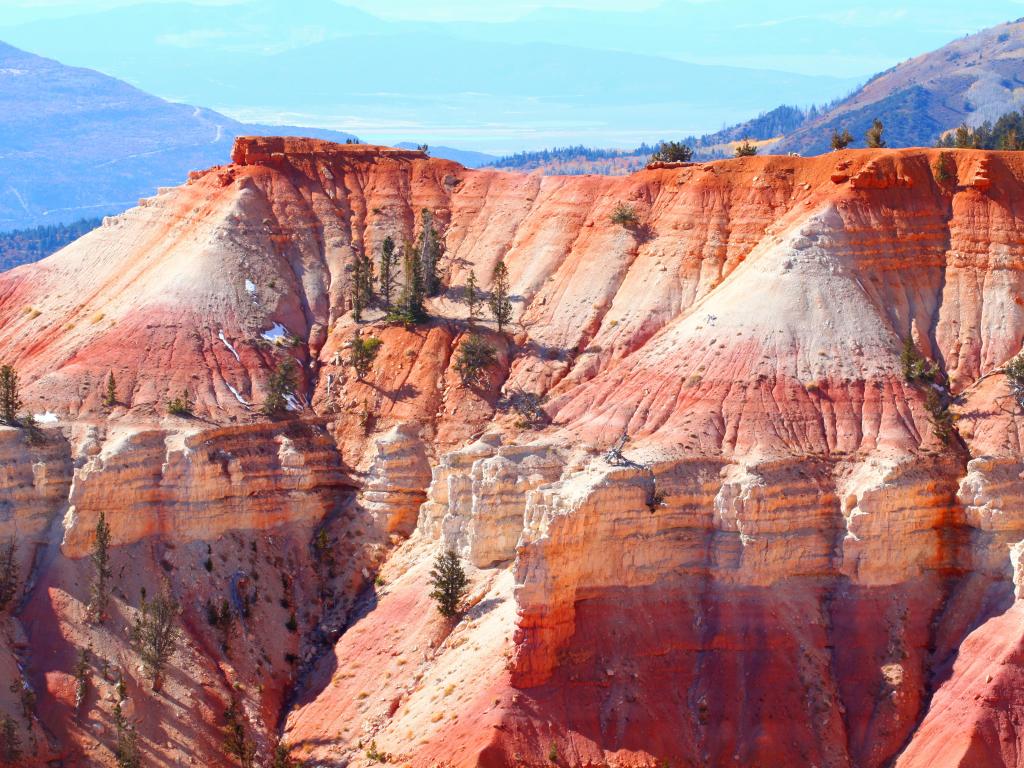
277,334
231,349
238,397
250,286
293,404
46,418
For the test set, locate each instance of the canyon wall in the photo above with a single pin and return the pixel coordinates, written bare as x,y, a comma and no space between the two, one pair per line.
799,556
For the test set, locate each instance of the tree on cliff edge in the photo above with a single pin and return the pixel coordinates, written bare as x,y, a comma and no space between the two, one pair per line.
388,271
874,135
10,401
449,583
280,389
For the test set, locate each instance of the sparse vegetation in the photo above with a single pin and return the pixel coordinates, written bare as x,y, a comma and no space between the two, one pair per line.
945,169
24,246
841,140
81,677
10,741
501,306
126,747
1014,372
362,353
672,152
8,572
528,406
475,356
235,742
361,288
448,583
746,149
430,250
10,398
110,395
409,308
376,755
916,368
388,272
873,137
624,214
99,592
282,758
471,295
181,405
280,389
553,753
155,636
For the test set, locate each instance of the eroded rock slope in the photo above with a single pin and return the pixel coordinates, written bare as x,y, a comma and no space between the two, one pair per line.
792,561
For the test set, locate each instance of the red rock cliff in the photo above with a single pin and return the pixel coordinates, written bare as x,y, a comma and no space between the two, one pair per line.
792,565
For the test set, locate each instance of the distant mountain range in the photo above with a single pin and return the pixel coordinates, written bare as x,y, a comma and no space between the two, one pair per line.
492,87
972,80
75,143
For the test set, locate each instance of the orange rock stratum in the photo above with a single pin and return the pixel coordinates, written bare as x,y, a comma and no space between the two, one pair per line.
789,567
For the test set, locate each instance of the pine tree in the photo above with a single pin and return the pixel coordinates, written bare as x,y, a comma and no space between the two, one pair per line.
471,295
501,307
100,590
110,396
126,748
410,304
362,353
280,388
155,636
430,254
475,356
10,748
81,677
874,135
8,572
362,285
180,406
388,271
10,401
235,742
449,583
964,137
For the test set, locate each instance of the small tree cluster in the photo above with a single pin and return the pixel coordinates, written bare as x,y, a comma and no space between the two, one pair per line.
361,288
362,353
448,583
746,149
409,309
430,251
841,140
280,388
500,304
945,169
155,636
915,368
181,405
475,356
1014,372
672,152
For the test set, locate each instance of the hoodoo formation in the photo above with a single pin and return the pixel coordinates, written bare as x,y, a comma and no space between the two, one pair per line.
806,551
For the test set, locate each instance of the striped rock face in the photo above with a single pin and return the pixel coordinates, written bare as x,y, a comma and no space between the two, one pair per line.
801,555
